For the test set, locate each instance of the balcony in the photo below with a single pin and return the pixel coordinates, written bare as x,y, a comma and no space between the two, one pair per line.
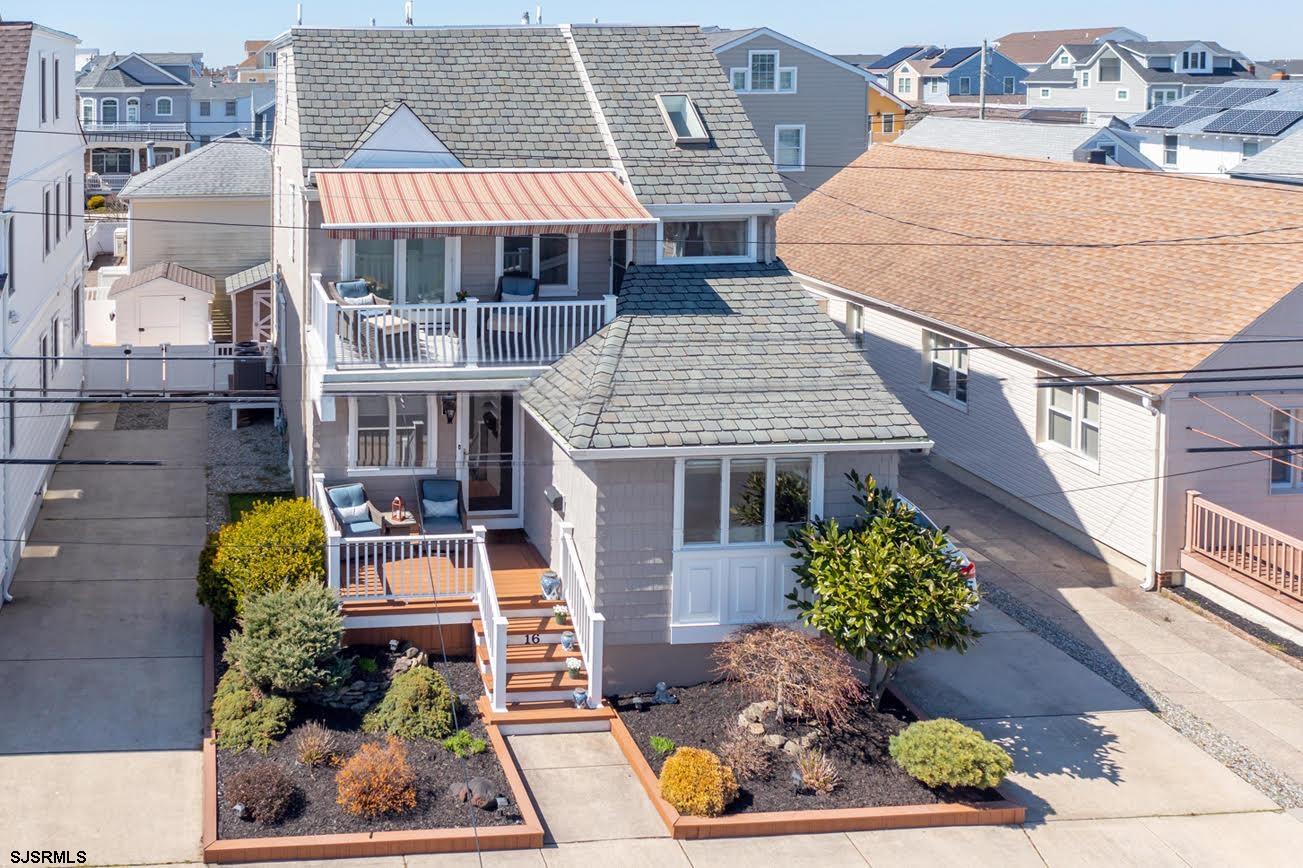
120,127
509,336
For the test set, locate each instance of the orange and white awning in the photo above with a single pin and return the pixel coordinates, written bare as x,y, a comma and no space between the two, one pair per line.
430,204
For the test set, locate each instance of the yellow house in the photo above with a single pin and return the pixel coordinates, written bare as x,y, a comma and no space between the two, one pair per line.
886,114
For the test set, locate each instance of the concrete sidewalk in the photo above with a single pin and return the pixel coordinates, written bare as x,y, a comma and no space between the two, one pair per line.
101,653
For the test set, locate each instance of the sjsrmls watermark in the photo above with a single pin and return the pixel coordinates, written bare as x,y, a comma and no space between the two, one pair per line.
47,857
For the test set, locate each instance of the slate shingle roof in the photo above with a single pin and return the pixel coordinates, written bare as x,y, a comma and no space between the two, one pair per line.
15,44
717,355
97,73
1053,290
513,96
221,168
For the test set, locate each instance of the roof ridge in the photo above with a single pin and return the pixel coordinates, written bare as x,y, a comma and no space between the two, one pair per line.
602,385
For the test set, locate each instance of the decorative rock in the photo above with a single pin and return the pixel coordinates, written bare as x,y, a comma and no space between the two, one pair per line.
357,686
806,740
756,711
775,740
478,791
241,811
413,651
756,728
402,664
743,721
792,747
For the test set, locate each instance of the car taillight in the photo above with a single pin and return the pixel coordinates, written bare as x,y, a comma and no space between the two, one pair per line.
968,570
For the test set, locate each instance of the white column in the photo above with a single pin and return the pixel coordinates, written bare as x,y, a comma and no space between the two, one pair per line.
472,335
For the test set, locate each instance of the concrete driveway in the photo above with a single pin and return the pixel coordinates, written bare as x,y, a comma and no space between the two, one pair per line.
101,653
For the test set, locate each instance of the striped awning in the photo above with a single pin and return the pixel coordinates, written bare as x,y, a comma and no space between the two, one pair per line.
432,203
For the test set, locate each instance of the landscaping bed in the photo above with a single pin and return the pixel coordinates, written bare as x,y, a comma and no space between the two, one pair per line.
870,778
436,768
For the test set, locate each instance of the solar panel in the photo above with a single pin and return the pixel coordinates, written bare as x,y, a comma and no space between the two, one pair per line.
1254,122
1228,97
895,57
954,56
1169,116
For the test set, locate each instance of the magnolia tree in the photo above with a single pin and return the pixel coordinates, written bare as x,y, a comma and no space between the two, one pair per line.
883,589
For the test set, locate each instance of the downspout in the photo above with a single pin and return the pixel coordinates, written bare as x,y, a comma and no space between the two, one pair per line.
1158,511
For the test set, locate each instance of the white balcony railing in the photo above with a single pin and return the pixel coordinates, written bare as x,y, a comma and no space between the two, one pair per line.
590,625
132,127
463,334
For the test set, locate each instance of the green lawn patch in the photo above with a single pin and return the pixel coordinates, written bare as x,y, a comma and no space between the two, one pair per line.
242,503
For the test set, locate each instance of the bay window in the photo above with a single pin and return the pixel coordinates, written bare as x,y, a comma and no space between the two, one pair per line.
1070,419
947,367
390,431
744,501
705,240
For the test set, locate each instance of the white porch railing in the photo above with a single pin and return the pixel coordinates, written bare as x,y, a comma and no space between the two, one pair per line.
131,127
590,625
495,625
464,334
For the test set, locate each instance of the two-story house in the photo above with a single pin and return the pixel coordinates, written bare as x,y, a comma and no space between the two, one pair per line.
259,64
955,75
127,102
42,264
219,108
1034,48
813,112
1214,130
1117,79
550,320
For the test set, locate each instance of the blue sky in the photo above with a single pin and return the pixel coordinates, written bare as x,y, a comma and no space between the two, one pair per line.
219,28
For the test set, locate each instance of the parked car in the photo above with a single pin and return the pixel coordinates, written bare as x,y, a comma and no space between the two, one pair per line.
967,568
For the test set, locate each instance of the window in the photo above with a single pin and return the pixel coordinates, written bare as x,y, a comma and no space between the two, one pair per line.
1085,78
904,84
1249,148
1169,150
1071,419
1287,428
739,78
390,431
45,222
1110,151
75,312
682,119
787,80
1163,96
163,106
1063,59
11,260
231,107
109,110
58,207
888,123
1110,69
165,155
374,261
68,209
11,424
87,111
947,367
426,277
518,254
44,353
56,89
745,501
934,85
965,84
1009,85
1045,93
1194,60
43,87
133,110
764,70
554,260
789,147
111,161
1123,94
205,108
56,344
689,239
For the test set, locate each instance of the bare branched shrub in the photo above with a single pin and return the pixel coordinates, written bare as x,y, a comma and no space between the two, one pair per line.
315,745
749,757
818,772
803,674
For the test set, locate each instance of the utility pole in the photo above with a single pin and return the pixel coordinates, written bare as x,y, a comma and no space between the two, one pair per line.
981,86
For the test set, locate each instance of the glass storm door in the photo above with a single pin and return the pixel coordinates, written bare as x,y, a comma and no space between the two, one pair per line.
490,452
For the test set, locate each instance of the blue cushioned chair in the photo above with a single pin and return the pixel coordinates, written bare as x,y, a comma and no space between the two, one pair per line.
517,287
349,498
430,491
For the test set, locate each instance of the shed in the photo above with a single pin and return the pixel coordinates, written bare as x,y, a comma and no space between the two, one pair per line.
164,303
253,309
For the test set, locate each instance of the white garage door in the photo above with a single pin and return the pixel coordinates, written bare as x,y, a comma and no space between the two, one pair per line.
158,319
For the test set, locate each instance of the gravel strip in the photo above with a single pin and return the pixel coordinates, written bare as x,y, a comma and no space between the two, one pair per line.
249,460
1272,783
142,417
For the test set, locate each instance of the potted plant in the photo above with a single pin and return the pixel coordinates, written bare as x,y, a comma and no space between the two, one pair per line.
462,295
562,614
573,665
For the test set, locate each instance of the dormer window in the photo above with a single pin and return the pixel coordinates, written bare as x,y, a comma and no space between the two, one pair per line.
1194,61
682,119
1063,59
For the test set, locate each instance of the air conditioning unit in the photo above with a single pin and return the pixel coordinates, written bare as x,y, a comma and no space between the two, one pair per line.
120,243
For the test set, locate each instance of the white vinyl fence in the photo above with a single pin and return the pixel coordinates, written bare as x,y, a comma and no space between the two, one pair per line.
161,369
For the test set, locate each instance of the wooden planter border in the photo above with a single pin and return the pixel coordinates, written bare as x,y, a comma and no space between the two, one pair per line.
527,836
683,828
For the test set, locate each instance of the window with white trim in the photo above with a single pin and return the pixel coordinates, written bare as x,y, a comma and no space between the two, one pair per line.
754,500
44,98
58,211
1249,148
738,76
56,88
56,343
163,107
46,234
787,79
965,85
947,367
44,353
686,240
1123,94
1085,78
1070,419
1110,69
789,147
390,431
551,258
133,110
1194,61
87,111
1169,150
888,123
1063,59
109,110
1162,96
904,84
764,70
934,85
1010,86
1287,469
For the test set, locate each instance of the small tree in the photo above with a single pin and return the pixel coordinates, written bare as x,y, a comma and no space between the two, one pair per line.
289,639
801,674
884,589
275,543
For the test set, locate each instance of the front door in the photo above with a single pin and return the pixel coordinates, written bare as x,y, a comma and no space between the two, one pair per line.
263,316
489,443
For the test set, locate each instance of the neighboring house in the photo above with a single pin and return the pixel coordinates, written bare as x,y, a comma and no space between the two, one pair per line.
128,100
1279,68
888,114
811,110
1063,142
42,264
1211,131
597,401
1033,48
219,108
885,63
1282,163
1117,79
259,66
968,334
208,212
955,74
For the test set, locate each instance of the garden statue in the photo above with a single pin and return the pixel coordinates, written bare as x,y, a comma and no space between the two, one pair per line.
551,585
663,696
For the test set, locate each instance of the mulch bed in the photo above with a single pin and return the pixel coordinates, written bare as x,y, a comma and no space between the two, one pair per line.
706,713
436,771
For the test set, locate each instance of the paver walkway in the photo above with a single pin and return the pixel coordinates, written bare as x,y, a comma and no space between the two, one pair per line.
100,653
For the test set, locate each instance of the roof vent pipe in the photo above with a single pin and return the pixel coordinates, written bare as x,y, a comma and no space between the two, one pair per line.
538,14
299,12
407,13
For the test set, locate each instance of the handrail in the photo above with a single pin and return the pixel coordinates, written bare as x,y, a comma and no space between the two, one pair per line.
590,625
495,625
1244,546
333,535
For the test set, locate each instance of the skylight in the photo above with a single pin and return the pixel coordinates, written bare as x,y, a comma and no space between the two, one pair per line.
682,119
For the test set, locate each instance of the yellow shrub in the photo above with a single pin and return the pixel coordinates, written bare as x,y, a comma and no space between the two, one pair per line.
696,783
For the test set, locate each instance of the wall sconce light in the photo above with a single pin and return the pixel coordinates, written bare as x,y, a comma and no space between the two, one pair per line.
555,500
449,406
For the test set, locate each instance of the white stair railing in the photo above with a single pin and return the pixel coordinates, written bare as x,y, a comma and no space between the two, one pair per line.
333,536
590,625
495,625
